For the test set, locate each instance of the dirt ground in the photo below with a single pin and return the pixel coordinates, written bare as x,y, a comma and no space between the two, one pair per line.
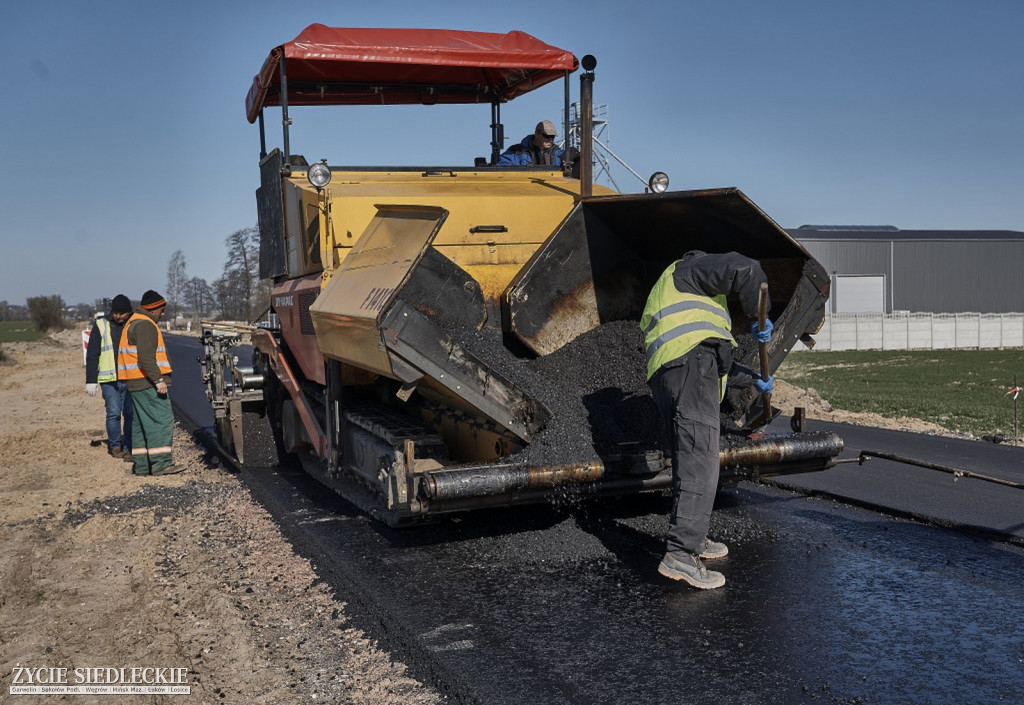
786,397
99,568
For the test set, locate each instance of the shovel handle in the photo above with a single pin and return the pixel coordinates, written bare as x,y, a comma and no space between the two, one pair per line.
762,318
762,349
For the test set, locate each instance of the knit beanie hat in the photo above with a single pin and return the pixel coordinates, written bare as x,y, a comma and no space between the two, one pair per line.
121,304
151,301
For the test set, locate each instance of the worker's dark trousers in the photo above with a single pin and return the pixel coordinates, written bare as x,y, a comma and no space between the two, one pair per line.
688,399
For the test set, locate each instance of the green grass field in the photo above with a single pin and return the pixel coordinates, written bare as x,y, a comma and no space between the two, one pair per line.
962,390
12,331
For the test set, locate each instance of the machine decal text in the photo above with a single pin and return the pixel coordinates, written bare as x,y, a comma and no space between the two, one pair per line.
375,300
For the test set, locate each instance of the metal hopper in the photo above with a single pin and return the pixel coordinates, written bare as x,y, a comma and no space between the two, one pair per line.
385,309
601,263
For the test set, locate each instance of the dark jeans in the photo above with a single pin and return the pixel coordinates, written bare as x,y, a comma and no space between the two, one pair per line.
687,396
119,404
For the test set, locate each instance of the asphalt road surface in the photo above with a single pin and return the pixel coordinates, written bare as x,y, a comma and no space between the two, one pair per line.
985,507
881,583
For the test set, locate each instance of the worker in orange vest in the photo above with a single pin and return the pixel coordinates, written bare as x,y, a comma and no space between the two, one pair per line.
143,366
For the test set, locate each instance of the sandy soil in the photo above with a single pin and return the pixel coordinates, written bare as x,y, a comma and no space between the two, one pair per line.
787,396
99,568
102,569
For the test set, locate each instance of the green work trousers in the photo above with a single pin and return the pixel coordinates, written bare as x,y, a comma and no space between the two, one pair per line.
152,431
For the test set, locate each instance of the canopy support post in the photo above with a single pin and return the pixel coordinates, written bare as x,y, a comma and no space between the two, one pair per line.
497,132
285,121
567,154
263,138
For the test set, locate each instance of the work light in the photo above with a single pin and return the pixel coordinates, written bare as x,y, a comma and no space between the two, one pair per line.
319,174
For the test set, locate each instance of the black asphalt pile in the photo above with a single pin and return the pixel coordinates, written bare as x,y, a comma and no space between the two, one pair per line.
595,388
166,502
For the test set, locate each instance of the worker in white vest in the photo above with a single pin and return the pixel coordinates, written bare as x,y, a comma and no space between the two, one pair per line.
101,373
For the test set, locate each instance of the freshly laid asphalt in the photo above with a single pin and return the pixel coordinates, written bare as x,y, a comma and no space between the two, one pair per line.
926,494
824,602
874,583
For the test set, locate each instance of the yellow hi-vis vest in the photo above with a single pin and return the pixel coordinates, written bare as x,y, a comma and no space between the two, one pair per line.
107,368
128,355
674,323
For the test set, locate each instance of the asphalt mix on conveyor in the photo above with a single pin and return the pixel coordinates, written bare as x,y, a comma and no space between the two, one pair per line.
595,387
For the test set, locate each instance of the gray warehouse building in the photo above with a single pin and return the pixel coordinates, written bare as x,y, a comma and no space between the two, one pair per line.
884,269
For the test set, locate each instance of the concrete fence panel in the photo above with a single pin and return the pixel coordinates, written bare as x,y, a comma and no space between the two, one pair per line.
895,333
919,331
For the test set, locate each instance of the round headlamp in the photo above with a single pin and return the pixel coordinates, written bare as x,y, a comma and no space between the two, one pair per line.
658,182
319,174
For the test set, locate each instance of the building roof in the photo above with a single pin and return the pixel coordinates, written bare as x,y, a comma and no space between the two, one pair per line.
889,232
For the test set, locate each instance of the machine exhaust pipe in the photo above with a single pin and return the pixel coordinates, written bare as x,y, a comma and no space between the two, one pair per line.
589,63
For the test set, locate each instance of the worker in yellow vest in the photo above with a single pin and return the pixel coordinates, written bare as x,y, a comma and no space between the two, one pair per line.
144,367
101,373
688,335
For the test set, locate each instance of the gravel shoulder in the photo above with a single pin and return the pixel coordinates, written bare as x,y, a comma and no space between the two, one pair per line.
99,568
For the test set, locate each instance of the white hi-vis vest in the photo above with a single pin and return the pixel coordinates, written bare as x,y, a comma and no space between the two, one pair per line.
674,323
107,369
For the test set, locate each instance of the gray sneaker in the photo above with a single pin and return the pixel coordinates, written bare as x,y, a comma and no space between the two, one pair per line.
685,566
714,549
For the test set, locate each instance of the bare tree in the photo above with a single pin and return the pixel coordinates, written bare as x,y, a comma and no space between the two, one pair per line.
199,297
239,290
176,281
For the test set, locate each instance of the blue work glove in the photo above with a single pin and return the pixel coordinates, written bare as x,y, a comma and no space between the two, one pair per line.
762,336
764,386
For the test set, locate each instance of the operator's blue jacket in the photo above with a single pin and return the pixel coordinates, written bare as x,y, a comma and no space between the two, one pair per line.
525,154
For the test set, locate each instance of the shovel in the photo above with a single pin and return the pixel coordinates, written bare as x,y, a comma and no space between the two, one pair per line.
762,348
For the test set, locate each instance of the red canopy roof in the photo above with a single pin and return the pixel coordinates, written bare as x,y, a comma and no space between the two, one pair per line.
360,66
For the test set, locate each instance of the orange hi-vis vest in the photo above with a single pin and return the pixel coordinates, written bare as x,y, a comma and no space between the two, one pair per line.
128,355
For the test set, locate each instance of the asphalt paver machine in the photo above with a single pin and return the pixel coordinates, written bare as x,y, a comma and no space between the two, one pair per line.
410,303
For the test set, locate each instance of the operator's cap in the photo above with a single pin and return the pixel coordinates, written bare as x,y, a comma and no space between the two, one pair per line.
151,301
121,304
546,127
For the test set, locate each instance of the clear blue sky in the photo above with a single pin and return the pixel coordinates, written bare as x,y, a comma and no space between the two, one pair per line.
125,138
